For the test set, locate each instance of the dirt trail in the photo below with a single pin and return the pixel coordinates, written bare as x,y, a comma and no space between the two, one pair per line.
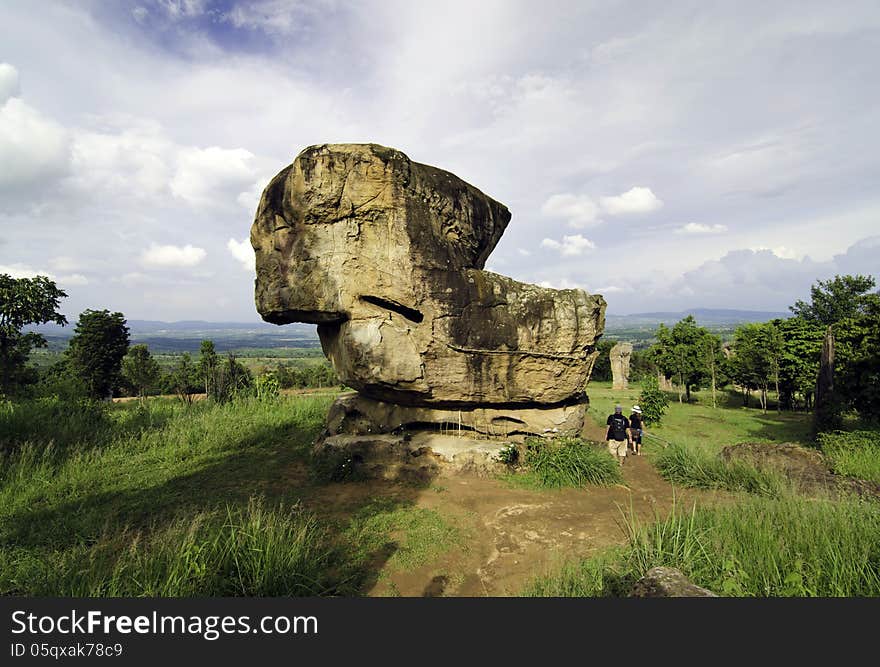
514,534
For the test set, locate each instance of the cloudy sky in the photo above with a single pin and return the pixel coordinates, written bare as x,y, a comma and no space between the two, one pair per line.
667,155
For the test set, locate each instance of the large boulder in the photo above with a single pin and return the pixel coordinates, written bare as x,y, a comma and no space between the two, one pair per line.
385,255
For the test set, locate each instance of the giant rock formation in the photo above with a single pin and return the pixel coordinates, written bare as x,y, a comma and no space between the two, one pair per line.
386,256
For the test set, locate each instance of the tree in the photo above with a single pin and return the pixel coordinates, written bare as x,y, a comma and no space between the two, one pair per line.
140,369
24,301
839,298
713,358
96,350
757,359
184,379
652,401
208,365
678,354
602,367
857,363
232,379
799,361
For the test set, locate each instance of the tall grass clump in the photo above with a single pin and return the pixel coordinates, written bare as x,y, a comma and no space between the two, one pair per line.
788,547
699,468
854,454
564,462
255,550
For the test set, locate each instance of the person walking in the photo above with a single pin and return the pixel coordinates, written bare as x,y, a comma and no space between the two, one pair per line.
617,434
636,428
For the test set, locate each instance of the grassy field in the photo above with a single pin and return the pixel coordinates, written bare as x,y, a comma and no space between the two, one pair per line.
208,499
762,547
176,500
699,424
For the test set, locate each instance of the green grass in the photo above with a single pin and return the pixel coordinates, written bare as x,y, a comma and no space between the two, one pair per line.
759,547
251,550
165,474
561,463
699,423
854,454
409,536
700,468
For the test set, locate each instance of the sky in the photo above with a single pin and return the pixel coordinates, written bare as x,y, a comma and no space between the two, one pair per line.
665,155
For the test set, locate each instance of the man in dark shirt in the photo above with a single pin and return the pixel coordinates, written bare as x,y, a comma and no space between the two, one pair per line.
617,434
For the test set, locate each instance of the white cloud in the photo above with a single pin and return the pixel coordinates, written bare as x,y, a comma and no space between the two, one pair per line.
698,228
178,9
634,200
782,252
272,16
578,210
250,199
19,270
9,86
523,252
243,252
130,158
204,175
172,255
570,245
139,13
36,146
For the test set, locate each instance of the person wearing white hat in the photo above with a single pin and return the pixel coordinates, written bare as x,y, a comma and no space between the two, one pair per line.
636,427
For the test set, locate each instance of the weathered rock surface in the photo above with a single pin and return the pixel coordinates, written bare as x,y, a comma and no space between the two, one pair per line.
806,469
620,355
386,256
418,457
668,582
355,413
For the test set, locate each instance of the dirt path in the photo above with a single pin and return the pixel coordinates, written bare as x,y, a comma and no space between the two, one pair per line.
515,534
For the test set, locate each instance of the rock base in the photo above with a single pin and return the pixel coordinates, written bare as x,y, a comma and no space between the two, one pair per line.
668,582
417,457
353,413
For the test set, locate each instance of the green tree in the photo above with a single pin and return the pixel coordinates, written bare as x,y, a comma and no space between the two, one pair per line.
758,352
96,350
839,298
857,363
24,301
652,400
678,354
140,369
208,365
799,361
713,359
184,379
602,367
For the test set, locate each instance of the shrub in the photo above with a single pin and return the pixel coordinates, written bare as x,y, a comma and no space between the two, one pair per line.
698,468
566,462
652,400
854,454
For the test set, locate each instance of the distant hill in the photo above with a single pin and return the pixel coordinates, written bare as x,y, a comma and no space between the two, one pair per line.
187,335
710,317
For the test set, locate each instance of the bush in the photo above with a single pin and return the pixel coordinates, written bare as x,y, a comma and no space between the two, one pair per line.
565,462
652,401
700,469
854,454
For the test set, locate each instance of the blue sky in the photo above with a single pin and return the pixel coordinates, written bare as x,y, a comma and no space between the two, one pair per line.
667,156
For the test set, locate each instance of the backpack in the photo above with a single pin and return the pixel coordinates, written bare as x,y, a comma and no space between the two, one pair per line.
618,427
